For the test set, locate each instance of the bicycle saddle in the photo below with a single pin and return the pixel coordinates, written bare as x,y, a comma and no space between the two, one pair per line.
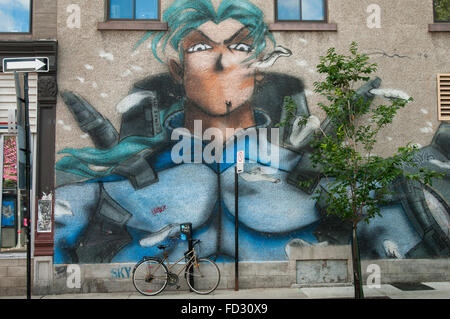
162,246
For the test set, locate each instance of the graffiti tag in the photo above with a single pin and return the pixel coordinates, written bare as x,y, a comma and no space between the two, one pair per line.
159,210
121,272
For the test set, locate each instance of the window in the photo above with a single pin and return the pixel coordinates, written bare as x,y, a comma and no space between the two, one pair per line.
8,101
302,15
441,10
128,15
15,16
301,10
133,9
8,192
12,176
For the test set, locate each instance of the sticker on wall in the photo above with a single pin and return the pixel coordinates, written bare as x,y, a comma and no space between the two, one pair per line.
44,221
8,213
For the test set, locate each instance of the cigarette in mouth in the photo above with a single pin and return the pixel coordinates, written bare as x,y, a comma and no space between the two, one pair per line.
272,57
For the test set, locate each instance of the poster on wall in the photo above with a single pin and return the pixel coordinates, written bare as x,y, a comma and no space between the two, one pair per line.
8,213
9,179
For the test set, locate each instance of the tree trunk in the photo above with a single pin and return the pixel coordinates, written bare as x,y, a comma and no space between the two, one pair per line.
357,275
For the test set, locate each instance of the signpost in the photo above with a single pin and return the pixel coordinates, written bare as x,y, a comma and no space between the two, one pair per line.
25,65
240,160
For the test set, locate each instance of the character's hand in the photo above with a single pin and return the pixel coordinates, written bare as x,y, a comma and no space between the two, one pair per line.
136,98
390,93
302,135
101,131
169,231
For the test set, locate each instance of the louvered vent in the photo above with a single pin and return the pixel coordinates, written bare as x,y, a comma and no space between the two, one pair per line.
444,97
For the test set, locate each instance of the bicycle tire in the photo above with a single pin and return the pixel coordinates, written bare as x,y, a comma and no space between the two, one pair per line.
206,275
147,286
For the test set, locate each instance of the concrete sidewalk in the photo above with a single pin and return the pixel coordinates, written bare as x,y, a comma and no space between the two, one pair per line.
427,290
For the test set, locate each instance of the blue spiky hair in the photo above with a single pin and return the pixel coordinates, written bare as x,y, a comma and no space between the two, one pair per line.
184,16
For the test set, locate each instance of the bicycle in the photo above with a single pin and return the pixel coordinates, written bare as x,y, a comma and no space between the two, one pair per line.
151,275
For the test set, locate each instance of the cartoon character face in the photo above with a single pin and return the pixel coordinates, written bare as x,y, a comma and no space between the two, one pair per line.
216,73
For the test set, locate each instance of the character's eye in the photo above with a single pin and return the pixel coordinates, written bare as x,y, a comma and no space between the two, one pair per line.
199,47
241,47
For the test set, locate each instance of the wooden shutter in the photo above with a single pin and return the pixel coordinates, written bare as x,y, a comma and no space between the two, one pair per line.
8,99
444,97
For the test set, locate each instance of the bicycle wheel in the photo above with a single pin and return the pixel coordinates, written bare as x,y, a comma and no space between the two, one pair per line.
150,277
205,274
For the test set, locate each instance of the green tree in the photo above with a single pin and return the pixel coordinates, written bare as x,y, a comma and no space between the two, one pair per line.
357,180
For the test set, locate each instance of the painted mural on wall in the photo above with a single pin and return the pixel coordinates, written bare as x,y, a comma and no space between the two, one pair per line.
173,159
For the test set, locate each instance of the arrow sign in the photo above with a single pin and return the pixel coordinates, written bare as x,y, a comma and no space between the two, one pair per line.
35,64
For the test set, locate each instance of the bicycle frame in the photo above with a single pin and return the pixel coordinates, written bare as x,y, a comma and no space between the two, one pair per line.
170,277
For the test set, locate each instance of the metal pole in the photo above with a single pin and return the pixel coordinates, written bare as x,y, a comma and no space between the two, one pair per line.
190,247
236,230
27,176
219,213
